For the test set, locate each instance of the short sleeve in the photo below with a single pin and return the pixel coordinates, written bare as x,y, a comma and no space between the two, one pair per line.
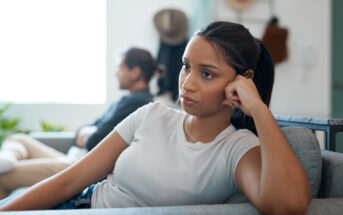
244,140
127,128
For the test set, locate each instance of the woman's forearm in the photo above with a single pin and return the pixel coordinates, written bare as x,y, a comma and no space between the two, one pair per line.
44,195
71,181
283,179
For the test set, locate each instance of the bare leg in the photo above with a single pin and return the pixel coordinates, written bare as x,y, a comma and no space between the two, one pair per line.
30,171
22,147
36,161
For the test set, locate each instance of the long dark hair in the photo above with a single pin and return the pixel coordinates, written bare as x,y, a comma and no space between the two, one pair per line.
242,52
143,59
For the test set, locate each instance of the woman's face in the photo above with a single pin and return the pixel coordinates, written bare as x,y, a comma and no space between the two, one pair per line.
203,79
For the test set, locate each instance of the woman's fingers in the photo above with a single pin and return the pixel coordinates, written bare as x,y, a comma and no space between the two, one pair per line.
235,89
231,92
226,102
231,103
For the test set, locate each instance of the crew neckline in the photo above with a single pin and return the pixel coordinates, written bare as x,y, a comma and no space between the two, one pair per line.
224,133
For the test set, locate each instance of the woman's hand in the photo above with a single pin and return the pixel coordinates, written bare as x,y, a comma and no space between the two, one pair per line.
243,94
271,176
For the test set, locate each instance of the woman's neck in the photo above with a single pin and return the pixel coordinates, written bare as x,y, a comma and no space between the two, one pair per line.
206,129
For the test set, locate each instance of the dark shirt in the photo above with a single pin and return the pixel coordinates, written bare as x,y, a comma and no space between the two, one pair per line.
116,113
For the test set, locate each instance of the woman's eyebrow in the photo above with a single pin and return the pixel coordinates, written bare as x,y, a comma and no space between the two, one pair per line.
208,66
185,59
202,65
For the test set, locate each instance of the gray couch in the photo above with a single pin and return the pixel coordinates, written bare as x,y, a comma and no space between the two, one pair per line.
324,169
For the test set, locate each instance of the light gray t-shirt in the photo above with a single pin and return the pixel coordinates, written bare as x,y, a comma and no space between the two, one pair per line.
160,167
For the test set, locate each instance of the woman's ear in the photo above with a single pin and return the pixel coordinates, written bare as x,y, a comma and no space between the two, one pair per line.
249,74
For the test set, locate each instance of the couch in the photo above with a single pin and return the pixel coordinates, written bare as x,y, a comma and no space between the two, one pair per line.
323,167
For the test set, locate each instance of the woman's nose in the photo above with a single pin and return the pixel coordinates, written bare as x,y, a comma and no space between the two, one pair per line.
189,83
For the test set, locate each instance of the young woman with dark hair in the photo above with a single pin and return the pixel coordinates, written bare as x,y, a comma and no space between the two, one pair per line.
202,155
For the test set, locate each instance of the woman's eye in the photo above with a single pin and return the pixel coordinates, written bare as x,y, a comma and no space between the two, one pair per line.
207,75
185,66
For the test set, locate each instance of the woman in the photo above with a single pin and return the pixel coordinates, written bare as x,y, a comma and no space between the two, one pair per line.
161,156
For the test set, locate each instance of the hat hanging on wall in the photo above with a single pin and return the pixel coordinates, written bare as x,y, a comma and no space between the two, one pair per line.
240,4
172,26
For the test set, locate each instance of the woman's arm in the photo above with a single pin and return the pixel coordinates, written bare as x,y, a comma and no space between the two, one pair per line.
70,182
271,176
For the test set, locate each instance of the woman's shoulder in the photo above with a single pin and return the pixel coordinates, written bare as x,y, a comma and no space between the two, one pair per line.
158,114
244,137
160,107
239,142
157,109
240,135
244,132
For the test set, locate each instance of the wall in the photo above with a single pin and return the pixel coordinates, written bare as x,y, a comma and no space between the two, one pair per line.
129,23
301,88
302,83
133,26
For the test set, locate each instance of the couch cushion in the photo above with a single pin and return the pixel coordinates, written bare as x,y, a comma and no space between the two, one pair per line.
329,206
307,149
332,182
219,209
317,207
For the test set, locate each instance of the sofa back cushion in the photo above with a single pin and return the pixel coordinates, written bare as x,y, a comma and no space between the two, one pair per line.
332,181
306,147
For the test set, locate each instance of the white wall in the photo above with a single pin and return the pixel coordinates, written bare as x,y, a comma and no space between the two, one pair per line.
129,24
301,87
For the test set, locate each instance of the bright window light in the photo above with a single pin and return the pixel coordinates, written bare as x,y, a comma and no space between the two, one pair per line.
53,51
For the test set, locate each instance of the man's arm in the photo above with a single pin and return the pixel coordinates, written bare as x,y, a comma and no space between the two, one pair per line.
83,135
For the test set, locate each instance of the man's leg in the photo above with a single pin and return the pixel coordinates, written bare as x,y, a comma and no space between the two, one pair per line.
20,147
34,161
23,147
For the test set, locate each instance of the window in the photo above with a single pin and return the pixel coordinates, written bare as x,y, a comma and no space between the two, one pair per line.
53,51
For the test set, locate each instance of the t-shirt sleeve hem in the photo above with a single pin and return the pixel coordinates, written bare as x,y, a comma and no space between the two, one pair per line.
121,133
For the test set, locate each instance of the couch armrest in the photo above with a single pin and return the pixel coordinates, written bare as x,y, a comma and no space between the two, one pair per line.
218,209
332,178
329,126
60,141
317,207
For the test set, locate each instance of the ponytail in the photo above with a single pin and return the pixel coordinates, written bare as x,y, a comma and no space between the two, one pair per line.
264,81
264,74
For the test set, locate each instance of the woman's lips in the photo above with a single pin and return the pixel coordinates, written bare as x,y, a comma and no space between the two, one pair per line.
187,100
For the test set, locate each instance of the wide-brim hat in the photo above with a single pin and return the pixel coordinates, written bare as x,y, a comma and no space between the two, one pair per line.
172,26
240,4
